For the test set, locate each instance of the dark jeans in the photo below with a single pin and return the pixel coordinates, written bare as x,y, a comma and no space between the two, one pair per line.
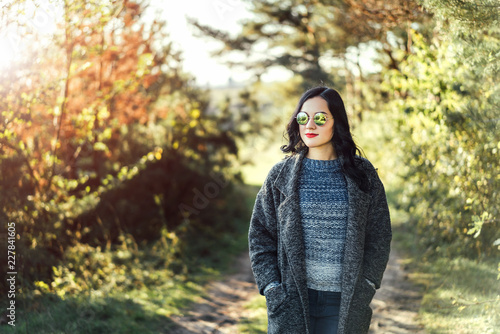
324,307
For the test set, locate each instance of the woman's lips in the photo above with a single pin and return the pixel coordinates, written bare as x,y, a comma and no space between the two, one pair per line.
311,135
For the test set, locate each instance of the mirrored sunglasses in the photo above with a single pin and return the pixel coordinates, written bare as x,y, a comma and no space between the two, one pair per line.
319,118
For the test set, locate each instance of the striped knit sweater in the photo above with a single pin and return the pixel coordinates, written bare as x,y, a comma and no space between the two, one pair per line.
323,211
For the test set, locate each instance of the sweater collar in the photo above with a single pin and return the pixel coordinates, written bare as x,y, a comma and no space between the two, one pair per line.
287,179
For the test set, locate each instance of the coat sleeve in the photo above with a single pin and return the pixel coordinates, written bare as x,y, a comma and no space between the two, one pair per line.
378,233
263,237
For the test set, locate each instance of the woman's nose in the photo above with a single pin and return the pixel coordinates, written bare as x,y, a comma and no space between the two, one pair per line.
310,124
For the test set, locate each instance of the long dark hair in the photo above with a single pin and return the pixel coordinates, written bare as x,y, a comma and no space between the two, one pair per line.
342,139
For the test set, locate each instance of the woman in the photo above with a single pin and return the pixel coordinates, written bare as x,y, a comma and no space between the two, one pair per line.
320,233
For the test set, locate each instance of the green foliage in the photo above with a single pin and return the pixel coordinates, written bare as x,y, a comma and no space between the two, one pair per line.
460,295
99,291
465,16
112,153
88,269
449,140
129,286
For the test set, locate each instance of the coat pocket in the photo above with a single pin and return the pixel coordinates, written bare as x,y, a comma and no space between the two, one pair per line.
275,297
360,312
367,291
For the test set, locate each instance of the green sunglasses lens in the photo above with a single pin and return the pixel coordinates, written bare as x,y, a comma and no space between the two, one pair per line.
302,118
320,119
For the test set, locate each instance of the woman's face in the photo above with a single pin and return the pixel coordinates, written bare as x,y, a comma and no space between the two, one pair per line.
313,135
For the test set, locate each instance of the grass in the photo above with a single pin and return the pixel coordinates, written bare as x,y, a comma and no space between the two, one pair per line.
144,310
77,314
461,296
255,320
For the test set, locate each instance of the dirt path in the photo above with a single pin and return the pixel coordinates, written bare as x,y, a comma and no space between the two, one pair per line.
395,305
222,309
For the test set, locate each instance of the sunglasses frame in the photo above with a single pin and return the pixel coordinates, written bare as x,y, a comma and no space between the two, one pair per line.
309,117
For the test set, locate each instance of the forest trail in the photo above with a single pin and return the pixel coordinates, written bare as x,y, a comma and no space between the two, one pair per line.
395,305
222,308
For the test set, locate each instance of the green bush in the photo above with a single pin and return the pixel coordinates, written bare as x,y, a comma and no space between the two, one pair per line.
449,140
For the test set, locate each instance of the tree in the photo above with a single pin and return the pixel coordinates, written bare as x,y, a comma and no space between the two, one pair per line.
315,39
450,129
98,125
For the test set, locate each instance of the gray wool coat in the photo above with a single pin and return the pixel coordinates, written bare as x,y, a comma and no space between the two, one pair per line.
277,254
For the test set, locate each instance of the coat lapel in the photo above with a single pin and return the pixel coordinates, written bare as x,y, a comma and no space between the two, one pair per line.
289,213
287,179
358,203
353,249
291,226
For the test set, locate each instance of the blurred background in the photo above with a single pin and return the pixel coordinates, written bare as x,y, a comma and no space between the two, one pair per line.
134,136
